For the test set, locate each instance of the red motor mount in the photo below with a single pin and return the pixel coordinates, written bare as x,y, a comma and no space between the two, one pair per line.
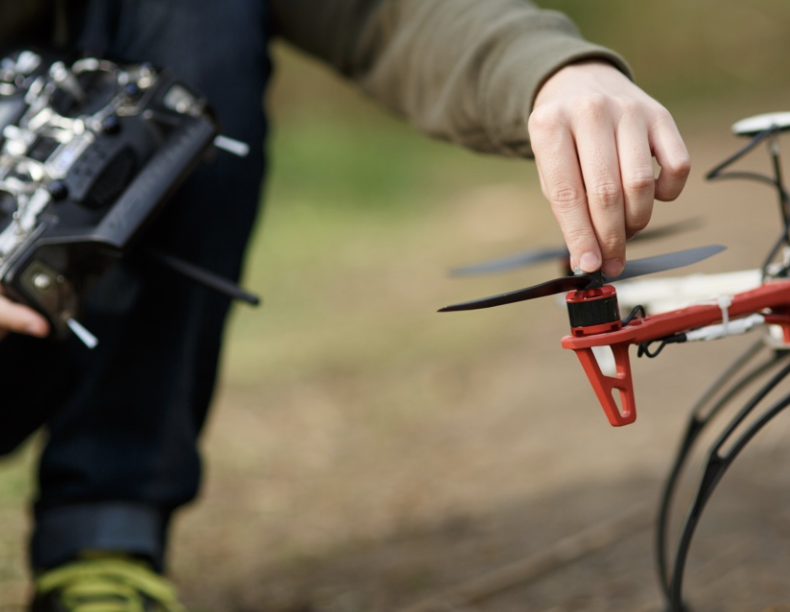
595,322
595,311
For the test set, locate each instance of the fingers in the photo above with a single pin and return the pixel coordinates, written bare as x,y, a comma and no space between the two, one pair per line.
598,156
21,319
636,169
563,186
594,135
578,163
672,155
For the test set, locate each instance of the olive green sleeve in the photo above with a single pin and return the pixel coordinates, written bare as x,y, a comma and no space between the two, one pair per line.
466,71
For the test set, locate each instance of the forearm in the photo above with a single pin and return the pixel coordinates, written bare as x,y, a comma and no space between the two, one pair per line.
462,70
502,76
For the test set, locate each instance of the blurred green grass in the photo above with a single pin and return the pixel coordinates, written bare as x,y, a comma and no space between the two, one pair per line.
351,201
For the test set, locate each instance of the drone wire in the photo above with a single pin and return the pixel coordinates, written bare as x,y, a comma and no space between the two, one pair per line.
638,309
644,347
695,425
644,350
715,467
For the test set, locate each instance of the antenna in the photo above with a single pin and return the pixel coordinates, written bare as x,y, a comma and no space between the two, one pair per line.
87,338
202,276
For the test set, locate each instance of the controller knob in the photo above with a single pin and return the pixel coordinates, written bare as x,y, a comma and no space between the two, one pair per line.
131,89
65,80
58,190
111,124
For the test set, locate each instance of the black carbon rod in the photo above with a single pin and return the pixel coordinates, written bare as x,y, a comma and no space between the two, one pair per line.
696,424
715,467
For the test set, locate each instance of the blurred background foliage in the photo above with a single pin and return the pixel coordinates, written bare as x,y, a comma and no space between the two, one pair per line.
693,50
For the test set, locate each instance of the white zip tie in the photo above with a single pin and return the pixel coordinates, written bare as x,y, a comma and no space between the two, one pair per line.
724,302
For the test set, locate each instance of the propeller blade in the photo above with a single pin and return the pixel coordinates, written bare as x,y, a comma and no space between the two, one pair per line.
669,229
516,260
539,255
637,267
670,261
557,285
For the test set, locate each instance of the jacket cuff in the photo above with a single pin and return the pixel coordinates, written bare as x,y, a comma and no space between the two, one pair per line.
523,66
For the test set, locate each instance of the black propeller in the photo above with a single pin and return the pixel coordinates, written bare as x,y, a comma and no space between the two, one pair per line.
586,280
538,255
516,260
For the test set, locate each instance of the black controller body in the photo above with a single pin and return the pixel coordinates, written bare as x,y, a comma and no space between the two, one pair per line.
90,151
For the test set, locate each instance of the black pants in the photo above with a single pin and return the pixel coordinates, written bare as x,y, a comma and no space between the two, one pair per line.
122,420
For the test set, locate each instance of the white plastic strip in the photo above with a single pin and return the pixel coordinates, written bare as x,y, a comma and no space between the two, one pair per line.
671,293
731,328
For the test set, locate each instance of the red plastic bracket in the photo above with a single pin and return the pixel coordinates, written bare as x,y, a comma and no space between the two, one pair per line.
605,386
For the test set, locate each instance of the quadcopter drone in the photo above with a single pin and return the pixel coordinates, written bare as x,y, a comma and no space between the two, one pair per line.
90,152
677,310
595,314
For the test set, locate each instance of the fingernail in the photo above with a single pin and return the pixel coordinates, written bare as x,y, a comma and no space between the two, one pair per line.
613,267
590,262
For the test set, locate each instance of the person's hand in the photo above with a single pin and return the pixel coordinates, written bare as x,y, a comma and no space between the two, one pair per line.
20,319
594,135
